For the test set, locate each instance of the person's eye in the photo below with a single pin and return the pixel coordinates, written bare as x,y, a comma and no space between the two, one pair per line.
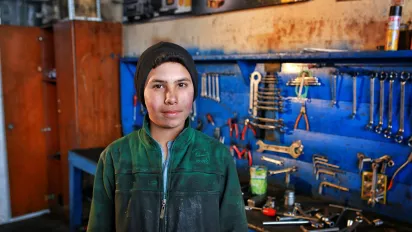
182,85
157,86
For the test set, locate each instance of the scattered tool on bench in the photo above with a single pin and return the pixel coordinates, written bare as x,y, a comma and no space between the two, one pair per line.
266,211
294,150
302,113
256,228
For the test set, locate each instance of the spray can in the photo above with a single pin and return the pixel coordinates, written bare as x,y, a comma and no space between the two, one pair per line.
393,28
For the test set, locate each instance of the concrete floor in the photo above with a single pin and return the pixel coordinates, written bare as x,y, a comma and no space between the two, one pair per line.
44,223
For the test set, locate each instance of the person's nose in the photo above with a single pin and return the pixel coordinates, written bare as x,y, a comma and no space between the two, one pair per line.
170,97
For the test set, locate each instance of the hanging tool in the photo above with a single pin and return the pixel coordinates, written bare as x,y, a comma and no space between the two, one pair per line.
409,160
382,78
404,77
388,131
328,184
232,123
294,150
134,108
270,160
245,127
287,172
193,113
333,88
372,100
354,77
217,88
203,86
209,86
305,116
245,152
210,119
255,79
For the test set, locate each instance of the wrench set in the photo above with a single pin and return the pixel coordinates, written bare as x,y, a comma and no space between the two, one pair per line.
210,86
264,96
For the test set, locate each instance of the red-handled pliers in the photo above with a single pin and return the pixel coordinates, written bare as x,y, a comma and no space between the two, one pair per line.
247,125
244,152
233,125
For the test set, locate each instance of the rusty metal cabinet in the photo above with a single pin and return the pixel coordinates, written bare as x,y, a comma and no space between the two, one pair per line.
87,67
29,116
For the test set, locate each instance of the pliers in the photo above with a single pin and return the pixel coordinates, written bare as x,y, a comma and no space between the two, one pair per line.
247,125
245,152
232,122
302,112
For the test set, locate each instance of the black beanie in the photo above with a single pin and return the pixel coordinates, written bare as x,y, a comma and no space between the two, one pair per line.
146,62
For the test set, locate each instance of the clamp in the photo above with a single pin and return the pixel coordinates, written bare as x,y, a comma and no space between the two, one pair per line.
302,112
247,125
232,122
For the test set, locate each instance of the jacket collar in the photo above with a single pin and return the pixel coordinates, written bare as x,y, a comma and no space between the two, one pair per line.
182,139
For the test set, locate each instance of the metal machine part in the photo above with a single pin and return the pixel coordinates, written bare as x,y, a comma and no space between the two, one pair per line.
362,159
300,222
294,150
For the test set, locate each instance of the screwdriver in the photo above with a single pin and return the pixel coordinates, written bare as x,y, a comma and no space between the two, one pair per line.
266,211
134,107
210,119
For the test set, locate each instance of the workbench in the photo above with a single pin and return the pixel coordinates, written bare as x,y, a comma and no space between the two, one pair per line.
85,160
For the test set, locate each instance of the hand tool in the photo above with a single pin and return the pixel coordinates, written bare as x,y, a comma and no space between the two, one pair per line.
322,158
359,214
289,199
410,141
319,162
280,109
300,222
333,88
369,126
267,159
328,184
256,228
287,171
352,225
199,125
327,221
307,81
388,131
256,201
344,209
294,150
269,94
210,119
276,98
372,199
382,78
354,77
247,151
305,116
377,222
266,211
193,113
134,108
255,79
270,89
269,81
409,160
217,88
404,77
269,127
209,87
203,87
232,122
319,230
278,121
318,165
212,78
324,171
270,202
270,103
245,127
362,159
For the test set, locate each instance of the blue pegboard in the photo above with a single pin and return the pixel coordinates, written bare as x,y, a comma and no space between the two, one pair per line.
332,132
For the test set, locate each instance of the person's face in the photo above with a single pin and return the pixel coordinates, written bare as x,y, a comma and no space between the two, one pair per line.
168,95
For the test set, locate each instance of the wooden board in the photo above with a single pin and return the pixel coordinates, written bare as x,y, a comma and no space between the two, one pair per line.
24,118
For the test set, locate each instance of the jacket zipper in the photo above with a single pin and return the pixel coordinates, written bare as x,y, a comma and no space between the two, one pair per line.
163,209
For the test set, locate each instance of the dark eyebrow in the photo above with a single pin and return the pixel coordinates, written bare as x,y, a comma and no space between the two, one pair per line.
162,81
183,79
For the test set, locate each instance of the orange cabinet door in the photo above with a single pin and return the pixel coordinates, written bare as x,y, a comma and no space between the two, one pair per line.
24,118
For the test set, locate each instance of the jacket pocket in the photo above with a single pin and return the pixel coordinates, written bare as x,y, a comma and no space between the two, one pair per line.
193,202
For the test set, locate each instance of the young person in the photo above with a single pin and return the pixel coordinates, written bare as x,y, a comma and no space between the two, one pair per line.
166,176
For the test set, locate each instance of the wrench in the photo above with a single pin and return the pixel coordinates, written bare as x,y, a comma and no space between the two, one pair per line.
295,150
333,102
388,131
372,101
382,78
213,87
372,199
209,89
354,95
267,159
217,88
280,109
399,136
203,94
254,84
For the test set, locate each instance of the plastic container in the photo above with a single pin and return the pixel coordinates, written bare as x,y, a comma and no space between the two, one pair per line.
258,179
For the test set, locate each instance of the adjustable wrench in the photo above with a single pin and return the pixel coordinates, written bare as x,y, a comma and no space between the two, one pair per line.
354,95
369,126
217,88
253,95
388,131
295,150
382,78
399,136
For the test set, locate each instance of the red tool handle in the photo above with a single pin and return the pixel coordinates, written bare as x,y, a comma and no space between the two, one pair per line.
269,212
135,100
249,153
236,130
244,132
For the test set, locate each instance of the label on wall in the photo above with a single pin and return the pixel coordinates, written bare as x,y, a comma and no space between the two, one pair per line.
215,6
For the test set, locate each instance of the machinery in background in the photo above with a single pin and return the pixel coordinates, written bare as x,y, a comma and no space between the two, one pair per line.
135,10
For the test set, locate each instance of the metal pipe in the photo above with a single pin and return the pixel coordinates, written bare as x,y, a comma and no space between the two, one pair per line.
287,223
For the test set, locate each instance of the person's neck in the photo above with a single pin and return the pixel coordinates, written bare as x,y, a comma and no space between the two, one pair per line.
164,135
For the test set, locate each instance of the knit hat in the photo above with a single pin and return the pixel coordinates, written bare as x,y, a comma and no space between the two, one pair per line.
147,60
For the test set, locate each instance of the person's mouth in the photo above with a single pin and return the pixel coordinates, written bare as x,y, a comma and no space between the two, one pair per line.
171,113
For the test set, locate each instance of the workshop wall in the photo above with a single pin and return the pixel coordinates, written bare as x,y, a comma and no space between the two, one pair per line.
320,23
